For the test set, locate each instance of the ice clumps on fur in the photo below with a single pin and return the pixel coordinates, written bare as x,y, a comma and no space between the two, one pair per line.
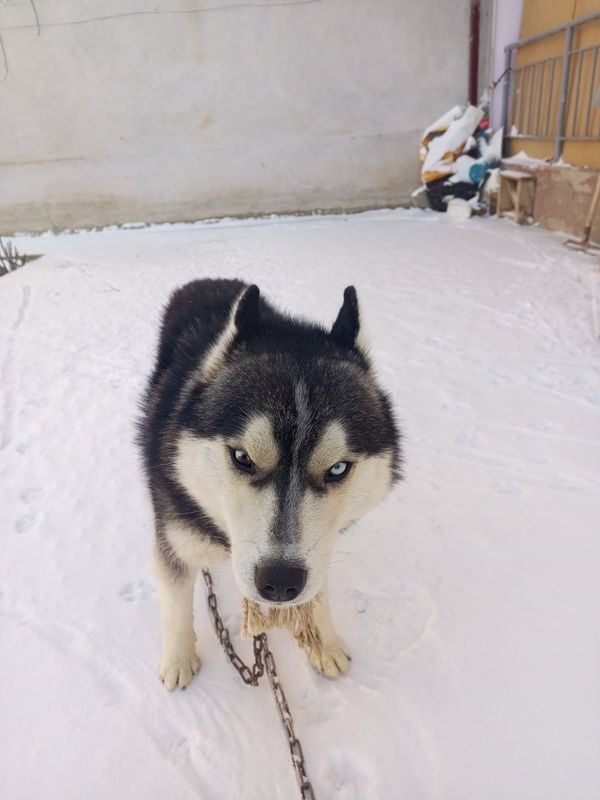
298,620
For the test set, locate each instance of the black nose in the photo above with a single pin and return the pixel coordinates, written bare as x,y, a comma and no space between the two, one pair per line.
279,581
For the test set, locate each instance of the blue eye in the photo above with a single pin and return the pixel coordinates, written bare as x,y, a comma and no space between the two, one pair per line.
339,470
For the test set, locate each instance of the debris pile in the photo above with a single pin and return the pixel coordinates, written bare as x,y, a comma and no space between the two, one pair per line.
458,153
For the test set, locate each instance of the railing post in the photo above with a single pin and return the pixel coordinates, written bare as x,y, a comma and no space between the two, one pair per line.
564,87
506,88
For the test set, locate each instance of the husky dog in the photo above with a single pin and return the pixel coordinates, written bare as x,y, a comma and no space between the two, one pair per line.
263,437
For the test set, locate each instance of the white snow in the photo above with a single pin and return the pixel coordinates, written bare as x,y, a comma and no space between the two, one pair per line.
470,598
523,160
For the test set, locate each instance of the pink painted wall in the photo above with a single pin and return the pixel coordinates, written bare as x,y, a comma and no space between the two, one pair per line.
507,24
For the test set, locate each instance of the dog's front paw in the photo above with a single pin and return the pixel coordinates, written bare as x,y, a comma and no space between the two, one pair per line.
331,660
178,668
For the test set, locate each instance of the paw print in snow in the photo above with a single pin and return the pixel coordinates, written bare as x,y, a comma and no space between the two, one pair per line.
26,522
31,494
136,590
28,496
347,775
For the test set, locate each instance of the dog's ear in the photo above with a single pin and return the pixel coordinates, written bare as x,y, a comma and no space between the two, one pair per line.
246,312
345,329
243,323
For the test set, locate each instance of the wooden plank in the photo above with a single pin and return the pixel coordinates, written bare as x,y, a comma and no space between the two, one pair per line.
513,175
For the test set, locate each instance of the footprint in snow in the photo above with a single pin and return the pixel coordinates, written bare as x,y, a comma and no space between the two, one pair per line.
347,775
136,590
31,494
396,619
26,522
471,438
321,702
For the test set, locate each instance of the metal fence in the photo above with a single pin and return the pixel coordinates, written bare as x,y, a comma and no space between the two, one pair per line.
556,98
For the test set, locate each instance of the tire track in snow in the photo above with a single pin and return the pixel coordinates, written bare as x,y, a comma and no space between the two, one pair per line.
7,379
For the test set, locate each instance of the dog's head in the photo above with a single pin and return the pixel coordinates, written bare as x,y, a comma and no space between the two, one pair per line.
286,440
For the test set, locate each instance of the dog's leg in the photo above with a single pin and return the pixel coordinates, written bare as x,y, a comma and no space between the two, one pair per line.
179,662
328,653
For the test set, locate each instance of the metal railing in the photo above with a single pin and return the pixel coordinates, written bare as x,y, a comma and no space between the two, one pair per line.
556,98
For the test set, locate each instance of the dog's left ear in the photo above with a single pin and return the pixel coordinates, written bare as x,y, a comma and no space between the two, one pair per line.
345,329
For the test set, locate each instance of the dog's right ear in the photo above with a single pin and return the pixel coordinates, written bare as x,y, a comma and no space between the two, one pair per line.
246,312
243,323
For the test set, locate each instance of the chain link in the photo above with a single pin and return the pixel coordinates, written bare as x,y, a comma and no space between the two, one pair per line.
247,674
263,659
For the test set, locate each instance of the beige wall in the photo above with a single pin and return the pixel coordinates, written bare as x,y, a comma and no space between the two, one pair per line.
538,16
130,110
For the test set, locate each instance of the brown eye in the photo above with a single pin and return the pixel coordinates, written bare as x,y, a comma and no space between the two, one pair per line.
241,459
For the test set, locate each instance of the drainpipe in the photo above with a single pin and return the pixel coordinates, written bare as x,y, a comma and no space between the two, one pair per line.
474,53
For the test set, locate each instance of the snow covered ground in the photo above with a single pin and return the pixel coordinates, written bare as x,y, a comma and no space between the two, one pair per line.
470,598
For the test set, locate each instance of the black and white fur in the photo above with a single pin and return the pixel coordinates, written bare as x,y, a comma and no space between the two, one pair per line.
248,420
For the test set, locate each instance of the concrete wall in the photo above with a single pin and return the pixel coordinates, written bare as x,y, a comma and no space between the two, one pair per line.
485,66
130,110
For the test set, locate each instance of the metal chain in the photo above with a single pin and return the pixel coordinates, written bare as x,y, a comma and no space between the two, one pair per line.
263,658
249,675
306,790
